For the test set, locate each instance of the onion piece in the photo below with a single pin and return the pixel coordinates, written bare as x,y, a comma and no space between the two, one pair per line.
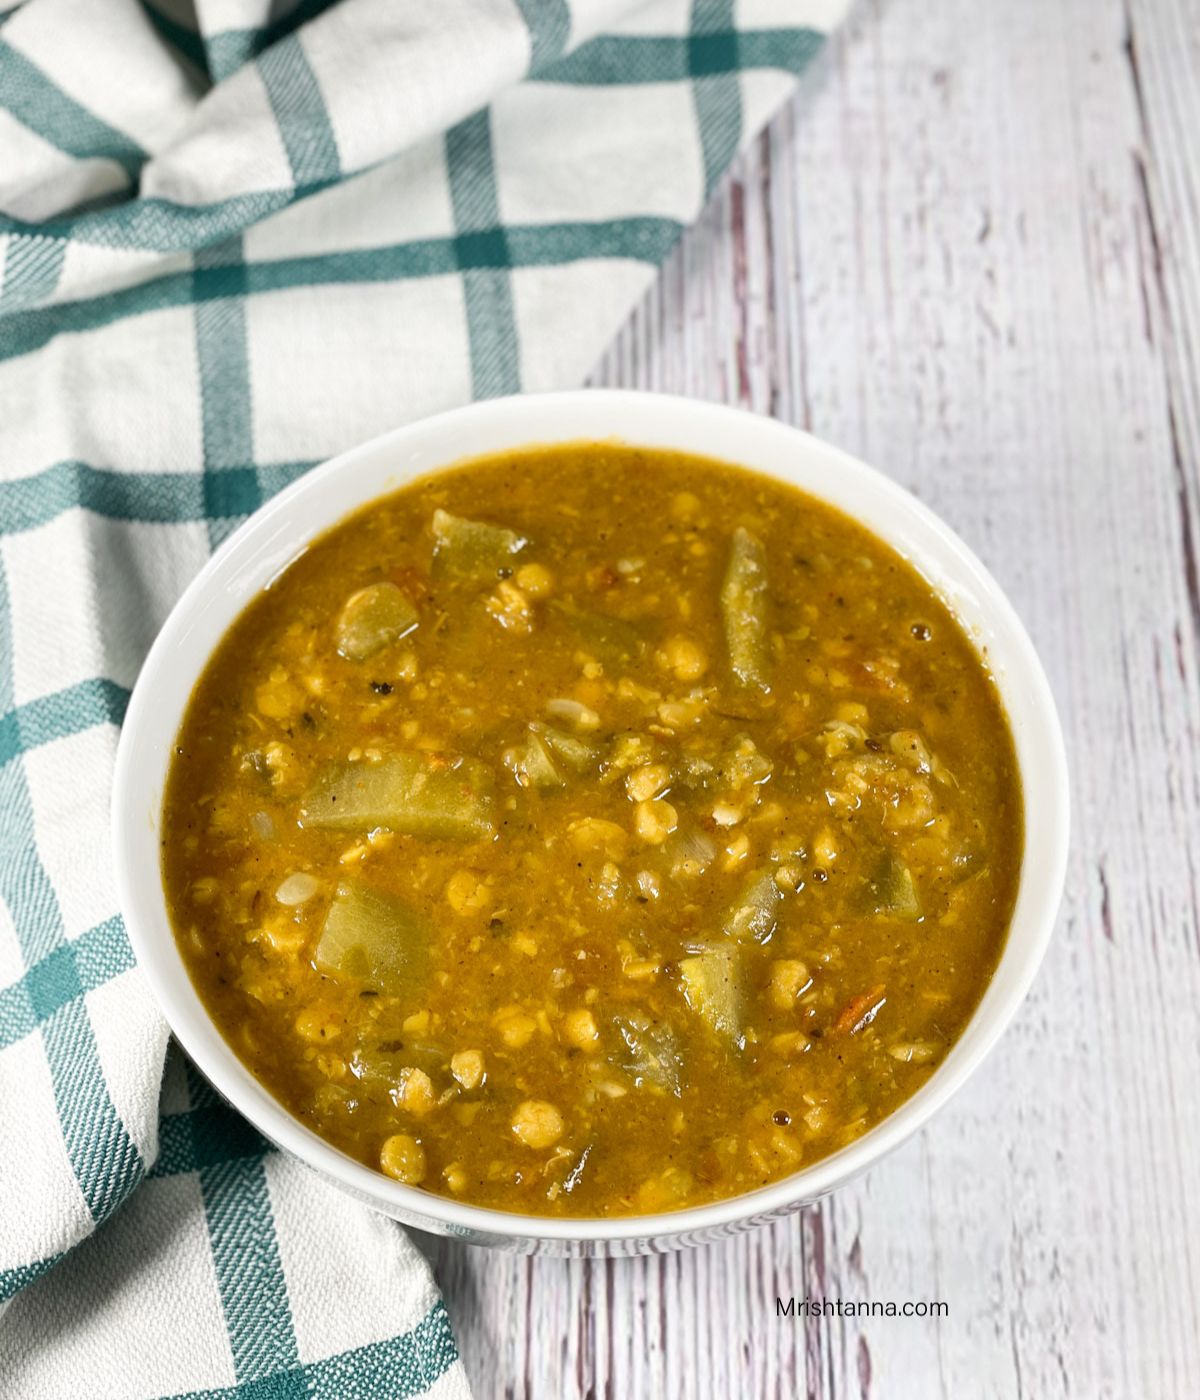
297,888
262,825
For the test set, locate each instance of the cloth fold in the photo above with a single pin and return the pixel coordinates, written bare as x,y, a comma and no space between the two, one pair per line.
239,236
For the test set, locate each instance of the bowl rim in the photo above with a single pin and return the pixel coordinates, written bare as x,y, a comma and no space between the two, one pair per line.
268,539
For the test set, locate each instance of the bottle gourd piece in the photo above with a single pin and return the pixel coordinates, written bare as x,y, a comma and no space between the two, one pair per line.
413,794
471,551
755,912
711,987
744,610
375,939
372,619
648,1051
891,890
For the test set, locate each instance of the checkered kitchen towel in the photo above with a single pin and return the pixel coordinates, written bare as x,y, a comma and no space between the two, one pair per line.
239,236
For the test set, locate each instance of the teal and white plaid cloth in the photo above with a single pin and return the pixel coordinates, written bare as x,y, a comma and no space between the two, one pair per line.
239,236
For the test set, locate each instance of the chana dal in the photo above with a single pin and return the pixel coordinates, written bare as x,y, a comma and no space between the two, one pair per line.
593,831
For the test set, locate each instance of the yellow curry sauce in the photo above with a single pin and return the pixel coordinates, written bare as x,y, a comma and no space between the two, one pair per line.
593,831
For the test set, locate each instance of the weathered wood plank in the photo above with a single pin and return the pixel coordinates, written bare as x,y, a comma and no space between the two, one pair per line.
970,252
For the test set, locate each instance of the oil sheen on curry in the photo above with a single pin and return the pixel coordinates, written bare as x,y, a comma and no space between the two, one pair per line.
593,831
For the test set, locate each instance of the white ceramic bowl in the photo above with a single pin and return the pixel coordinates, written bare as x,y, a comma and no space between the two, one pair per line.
273,536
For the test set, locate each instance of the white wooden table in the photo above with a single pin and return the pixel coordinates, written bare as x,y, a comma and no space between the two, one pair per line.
970,253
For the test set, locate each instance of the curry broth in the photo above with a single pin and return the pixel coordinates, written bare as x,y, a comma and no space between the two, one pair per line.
678,837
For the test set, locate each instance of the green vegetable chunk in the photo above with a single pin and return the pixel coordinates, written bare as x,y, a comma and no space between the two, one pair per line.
532,764
611,638
753,915
374,938
383,1071
712,988
415,794
471,551
744,610
539,762
576,753
372,618
891,889
649,1052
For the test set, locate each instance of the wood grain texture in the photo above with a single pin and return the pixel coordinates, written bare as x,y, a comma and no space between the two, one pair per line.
970,253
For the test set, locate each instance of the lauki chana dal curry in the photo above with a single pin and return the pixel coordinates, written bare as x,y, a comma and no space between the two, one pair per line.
593,831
